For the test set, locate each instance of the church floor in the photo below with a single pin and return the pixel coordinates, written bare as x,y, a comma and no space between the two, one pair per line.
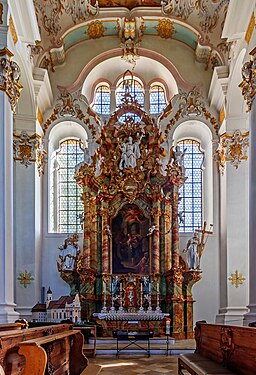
137,364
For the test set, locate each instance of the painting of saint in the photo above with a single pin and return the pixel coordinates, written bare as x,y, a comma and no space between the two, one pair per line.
130,243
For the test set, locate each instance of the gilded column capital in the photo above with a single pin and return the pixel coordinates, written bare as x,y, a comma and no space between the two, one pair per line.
9,77
232,148
29,149
248,84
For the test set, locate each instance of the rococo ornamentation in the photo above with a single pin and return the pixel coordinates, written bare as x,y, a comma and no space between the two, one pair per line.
25,278
248,85
237,279
68,105
29,149
9,77
233,148
191,104
80,9
95,30
165,28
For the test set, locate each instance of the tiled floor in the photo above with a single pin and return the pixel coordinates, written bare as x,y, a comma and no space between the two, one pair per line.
127,365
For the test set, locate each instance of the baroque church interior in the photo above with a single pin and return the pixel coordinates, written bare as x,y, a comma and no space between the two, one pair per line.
127,156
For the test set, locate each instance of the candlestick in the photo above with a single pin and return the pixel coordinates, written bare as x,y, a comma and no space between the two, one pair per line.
157,287
149,287
120,287
104,287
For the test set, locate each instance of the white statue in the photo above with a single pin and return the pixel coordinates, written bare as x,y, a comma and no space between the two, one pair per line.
192,250
179,157
130,154
69,253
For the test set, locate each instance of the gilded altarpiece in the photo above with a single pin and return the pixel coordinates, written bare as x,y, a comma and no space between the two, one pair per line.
130,194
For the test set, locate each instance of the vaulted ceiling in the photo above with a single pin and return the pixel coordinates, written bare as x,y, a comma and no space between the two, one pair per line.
65,23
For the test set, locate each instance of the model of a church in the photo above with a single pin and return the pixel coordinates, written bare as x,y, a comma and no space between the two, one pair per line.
65,308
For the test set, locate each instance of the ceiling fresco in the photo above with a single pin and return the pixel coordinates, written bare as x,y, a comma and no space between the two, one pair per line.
65,23
129,3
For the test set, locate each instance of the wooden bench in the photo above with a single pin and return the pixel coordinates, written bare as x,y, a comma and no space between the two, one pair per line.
10,326
56,348
221,349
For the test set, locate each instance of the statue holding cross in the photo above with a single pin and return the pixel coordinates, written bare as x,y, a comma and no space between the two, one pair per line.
195,247
203,239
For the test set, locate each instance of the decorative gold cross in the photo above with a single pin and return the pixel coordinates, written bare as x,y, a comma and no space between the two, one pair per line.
237,279
25,278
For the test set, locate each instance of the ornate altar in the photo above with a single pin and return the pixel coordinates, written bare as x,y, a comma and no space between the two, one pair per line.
131,232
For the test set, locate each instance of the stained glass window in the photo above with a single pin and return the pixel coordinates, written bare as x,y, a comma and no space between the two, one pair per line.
190,194
157,99
68,192
131,86
102,100
135,89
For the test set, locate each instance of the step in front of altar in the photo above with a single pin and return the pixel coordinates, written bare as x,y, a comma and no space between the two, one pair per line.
158,345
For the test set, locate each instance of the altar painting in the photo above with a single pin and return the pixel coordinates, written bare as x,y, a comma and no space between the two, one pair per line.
130,243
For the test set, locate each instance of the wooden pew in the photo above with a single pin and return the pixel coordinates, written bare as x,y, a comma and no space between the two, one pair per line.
14,363
10,327
221,349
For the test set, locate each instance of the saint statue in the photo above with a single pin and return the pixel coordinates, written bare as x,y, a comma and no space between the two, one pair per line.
69,253
130,154
179,157
192,250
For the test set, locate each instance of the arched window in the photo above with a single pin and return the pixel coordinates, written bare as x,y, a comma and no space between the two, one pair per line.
65,202
102,100
132,87
157,99
190,194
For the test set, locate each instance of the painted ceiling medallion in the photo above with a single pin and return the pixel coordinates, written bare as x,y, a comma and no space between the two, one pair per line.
165,28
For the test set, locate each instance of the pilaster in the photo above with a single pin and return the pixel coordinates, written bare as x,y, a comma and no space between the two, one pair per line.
234,224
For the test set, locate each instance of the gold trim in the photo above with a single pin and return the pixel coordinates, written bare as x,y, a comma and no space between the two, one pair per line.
39,116
237,279
13,30
250,29
222,115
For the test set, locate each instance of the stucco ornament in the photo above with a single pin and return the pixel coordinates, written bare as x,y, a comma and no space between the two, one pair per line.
29,149
248,85
232,148
80,9
165,28
9,77
95,30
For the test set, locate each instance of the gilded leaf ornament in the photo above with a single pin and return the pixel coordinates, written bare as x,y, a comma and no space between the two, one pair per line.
25,278
232,148
237,279
95,30
248,85
29,149
9,77
165,28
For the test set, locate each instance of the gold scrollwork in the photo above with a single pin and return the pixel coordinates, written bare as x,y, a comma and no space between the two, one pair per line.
95,30
248,85
165,28
25,278
232,148
237,279
9,77
29,149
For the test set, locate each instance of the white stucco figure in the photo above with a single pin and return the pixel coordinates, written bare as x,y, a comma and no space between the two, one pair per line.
69,253
179,157
192,250
130,154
